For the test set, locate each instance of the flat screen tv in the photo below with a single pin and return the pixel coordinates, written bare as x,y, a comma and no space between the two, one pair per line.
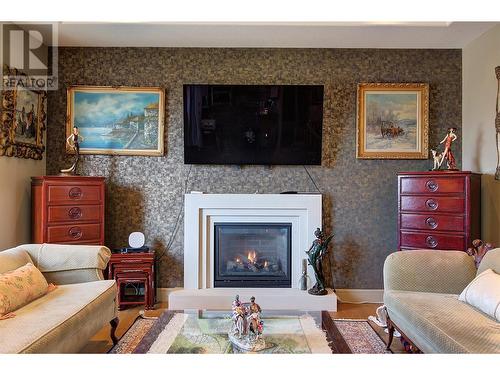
253,124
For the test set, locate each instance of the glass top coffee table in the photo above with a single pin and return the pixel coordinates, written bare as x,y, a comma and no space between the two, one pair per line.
194,331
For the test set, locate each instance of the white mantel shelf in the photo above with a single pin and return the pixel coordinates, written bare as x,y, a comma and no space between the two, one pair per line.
201,211
267,298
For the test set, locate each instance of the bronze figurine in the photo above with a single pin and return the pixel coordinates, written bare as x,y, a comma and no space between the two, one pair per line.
315,255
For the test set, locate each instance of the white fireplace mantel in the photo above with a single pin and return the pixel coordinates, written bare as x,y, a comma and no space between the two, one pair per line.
202,211
303,211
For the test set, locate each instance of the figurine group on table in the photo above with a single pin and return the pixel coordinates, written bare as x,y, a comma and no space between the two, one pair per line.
247,325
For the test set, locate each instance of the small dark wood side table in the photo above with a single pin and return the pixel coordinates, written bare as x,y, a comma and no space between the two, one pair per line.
134,268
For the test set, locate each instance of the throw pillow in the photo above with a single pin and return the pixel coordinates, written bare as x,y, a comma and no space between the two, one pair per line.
484,293
19,287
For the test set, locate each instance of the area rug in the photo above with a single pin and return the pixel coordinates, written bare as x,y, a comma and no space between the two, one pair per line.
357,337
178,333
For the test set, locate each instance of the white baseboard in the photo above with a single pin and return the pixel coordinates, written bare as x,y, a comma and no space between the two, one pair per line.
360,295
344,295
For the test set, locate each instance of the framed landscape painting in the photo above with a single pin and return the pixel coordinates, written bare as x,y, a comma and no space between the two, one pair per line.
393,121
116,120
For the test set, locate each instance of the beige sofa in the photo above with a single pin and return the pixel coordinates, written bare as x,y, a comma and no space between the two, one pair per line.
65,319
421,289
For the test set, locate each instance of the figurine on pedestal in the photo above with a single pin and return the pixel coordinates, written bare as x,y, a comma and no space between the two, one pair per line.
74,142
315,255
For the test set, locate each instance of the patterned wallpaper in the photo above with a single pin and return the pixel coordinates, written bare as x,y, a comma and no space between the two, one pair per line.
359,196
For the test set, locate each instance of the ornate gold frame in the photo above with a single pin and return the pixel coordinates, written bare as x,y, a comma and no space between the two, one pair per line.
94,151
423,124
8,144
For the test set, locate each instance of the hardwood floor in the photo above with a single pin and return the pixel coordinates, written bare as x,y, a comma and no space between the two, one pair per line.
101,342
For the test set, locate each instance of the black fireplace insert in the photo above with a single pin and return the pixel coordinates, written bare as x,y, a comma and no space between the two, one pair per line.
252,255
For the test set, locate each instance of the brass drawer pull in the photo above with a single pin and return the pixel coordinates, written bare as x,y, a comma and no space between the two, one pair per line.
432,185
431,241
431,204
75,232
75,193
75,213
431,222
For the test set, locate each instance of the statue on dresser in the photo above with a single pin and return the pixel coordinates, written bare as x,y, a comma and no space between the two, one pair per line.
73,141
447,154
315,255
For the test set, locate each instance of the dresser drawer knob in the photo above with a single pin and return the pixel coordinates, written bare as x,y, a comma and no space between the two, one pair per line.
75,213
431,241
431,204
75,232
431,222
432,185
75,193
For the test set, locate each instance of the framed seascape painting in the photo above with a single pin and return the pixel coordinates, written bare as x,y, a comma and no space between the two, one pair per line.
393,121
23,121
116,120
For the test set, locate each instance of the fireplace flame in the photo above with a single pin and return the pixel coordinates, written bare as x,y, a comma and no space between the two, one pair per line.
252,256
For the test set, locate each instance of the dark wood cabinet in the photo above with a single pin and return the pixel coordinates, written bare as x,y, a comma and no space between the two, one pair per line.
68,210
134,268
438,210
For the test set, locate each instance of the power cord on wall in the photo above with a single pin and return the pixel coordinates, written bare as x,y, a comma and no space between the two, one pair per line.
312,179
177,220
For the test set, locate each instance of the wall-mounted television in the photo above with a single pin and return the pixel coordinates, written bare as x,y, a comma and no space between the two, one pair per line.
253,124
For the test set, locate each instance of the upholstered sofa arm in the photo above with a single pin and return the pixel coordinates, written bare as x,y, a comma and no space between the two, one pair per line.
431,271
69,264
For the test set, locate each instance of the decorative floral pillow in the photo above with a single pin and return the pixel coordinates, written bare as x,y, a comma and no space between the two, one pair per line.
19,287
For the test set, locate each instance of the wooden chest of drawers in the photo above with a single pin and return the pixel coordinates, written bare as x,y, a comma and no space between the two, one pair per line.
68,210
438,210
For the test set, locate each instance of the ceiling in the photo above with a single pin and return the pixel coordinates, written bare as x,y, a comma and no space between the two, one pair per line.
273,35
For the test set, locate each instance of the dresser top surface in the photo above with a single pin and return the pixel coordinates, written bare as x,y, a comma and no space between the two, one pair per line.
439,173
62,178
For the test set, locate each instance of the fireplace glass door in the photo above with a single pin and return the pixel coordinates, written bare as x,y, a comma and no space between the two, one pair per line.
253,255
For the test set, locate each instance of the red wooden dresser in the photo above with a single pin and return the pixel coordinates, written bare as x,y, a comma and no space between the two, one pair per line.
67,210
438,210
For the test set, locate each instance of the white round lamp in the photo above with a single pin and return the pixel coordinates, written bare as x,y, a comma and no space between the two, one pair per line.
136,240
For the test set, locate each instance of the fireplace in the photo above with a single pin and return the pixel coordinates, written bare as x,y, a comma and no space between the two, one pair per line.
292,218
252,255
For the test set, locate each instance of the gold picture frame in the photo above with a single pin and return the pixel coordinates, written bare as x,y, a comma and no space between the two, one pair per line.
392,121
120,120
23,121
